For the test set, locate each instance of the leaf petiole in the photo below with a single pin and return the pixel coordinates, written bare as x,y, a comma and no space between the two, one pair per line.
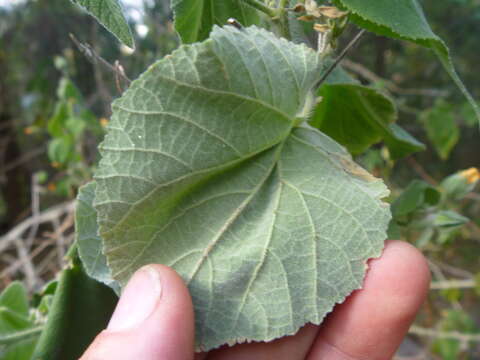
20,335
261,7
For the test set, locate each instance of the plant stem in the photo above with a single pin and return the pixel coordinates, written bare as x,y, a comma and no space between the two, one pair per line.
453,284
281,19
282,4
20,335
340,58
261,7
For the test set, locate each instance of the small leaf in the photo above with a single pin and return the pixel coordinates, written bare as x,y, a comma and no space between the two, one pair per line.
404,19
449,219
441,128
417,195
60,149
204,169
22,350
56,123
109,13
14,298
194,19
358,116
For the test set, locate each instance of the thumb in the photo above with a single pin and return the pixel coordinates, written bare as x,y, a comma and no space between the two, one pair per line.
153,320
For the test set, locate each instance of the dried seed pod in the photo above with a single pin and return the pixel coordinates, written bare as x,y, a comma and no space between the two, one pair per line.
299,8
322,28
332,12
306,18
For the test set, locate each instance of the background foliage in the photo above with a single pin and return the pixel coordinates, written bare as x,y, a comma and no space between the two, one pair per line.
55,102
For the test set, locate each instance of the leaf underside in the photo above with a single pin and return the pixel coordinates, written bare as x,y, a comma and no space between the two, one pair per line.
109,13
404,19
204,169
88,240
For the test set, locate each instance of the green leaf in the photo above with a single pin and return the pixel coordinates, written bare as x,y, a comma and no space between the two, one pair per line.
88,241
358,116
81,308
14,298
194,19
203,169
458,321
60,149
442,130
22,350
417,195
404,19
56,124
109,13
449,219
18,333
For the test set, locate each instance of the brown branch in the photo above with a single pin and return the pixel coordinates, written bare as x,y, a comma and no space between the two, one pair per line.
23,159
46,216
418,168
390,85
91,54
453,284
437,334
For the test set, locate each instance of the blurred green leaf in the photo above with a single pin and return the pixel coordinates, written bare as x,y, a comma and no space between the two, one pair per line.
358,116
21,350
56,124
60,149
452,295
67,91
14,298
109,13
449,218
75,125
453,320
417,195
18,334
426,236
404,19
442,131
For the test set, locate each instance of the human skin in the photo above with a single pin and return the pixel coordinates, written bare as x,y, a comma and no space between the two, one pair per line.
370,324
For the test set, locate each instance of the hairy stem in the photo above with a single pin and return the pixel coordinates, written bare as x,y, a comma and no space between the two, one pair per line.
260,6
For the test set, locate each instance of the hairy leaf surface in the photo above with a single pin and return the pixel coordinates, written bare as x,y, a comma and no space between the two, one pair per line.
205,169
88,241
404,19
194,19
109,13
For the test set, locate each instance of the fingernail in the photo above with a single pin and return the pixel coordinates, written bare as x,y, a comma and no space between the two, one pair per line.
138,300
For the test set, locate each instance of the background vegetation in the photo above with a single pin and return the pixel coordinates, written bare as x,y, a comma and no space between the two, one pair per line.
55,96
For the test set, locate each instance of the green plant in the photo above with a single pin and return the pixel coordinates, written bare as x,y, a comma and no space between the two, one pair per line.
226,157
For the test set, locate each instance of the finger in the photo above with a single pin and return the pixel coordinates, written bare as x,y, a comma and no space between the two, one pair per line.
153,320
288,348
373,321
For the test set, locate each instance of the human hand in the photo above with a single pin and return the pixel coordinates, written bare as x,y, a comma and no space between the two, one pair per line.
154,318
